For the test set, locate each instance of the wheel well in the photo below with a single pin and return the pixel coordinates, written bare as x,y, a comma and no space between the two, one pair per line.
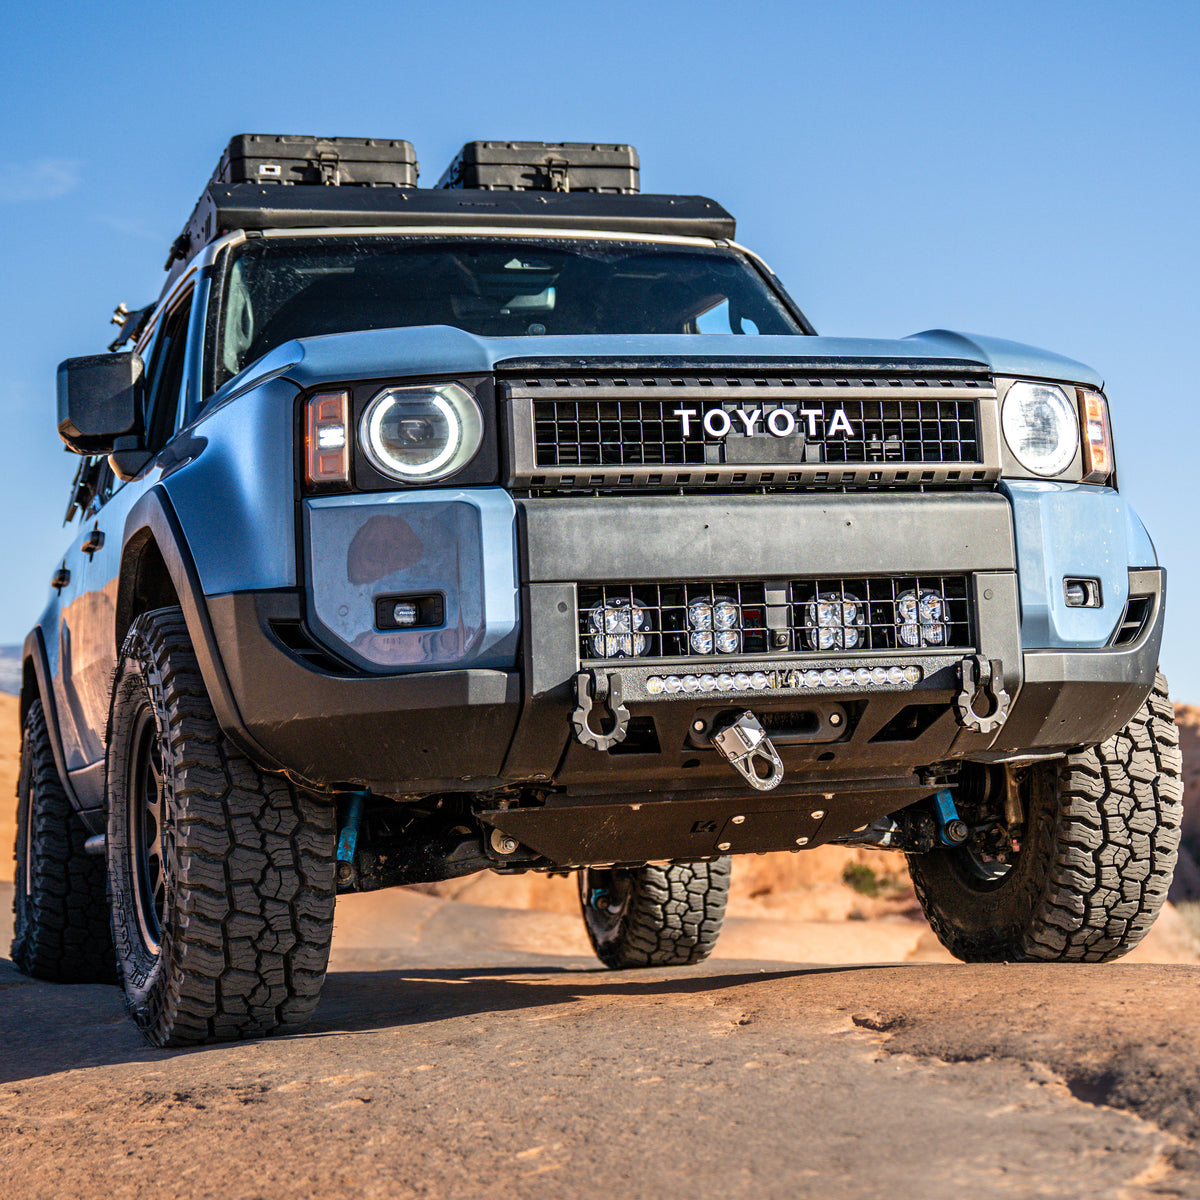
146,582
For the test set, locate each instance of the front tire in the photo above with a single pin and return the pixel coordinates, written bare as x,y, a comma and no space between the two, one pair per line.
60,909
222,877
654,916
1095,860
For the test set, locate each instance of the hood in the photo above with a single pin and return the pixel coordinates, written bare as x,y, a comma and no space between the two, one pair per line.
445,350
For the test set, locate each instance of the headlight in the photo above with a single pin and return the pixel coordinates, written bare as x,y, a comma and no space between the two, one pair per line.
1041,427
419,434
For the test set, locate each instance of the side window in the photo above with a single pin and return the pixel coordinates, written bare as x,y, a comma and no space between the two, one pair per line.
164,376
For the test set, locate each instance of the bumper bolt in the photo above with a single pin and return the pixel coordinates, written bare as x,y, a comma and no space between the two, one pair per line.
502,843
802,841
723,845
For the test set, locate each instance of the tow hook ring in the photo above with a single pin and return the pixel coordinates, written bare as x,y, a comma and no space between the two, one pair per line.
741,743
978,674
603,690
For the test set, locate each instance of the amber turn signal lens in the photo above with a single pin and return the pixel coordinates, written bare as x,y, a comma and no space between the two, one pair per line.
327,438
1097,441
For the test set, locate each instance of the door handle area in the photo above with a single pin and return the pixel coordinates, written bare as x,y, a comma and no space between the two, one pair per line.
92,542
60,578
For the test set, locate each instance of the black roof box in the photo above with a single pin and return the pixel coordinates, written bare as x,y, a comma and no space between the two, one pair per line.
544,167
293,158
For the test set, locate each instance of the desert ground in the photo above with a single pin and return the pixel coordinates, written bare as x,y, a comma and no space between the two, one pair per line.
468,1044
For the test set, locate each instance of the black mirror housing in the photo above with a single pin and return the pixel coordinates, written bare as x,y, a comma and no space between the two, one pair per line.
99,401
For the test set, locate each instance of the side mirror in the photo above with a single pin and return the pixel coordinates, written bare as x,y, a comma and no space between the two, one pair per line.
99,401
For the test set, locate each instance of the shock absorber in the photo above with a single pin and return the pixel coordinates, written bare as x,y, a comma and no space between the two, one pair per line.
952,829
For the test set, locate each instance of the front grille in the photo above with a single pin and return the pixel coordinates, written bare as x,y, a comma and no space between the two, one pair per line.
583,432
776,618
818,425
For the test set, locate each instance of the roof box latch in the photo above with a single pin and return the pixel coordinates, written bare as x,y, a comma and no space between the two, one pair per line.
556,169
328,164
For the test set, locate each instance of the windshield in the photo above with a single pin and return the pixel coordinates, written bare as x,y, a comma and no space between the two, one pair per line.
277,289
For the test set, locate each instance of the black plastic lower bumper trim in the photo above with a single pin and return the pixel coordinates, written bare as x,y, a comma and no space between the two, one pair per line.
395,734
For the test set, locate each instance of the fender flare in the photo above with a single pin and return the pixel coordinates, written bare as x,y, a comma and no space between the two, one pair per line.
35,652
154,514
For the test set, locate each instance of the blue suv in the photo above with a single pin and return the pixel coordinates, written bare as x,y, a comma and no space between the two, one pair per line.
524,523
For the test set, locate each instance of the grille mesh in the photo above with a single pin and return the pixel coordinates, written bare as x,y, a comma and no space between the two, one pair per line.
643,432
868,608
621,418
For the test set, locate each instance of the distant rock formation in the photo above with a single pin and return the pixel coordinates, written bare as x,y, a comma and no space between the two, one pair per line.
10,669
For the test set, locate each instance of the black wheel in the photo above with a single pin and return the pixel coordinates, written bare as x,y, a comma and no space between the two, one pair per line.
654,916
1086,876
222,877
60,929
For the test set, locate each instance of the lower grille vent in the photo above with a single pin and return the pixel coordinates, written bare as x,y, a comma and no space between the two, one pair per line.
1137,613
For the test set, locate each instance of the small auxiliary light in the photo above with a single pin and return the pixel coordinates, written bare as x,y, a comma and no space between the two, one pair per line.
405,613
410,612
326,439
1082,593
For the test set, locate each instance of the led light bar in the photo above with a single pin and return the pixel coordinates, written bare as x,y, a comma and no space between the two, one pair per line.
327,438
811,679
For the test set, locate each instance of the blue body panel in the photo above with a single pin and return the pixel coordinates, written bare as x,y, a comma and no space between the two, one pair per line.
244,454
1072,529
457,542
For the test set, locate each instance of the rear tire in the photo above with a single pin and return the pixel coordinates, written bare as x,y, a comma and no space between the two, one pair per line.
1095,862
222,877
60,909
654,916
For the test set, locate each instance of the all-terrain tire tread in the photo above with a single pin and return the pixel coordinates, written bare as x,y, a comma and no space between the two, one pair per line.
1106,856
673,917
250,920
61,928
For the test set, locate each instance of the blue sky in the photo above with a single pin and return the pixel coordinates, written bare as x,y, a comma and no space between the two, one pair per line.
1025,170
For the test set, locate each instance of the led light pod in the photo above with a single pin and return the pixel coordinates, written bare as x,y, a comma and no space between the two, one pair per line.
714,626
617,629
921,618
834,621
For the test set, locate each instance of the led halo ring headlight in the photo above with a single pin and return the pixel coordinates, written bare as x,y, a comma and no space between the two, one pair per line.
420,434
1041,427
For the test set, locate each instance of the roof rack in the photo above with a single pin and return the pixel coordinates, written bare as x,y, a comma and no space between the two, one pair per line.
306,183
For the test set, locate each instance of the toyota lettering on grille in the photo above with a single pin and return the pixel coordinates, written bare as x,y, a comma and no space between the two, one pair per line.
717,423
